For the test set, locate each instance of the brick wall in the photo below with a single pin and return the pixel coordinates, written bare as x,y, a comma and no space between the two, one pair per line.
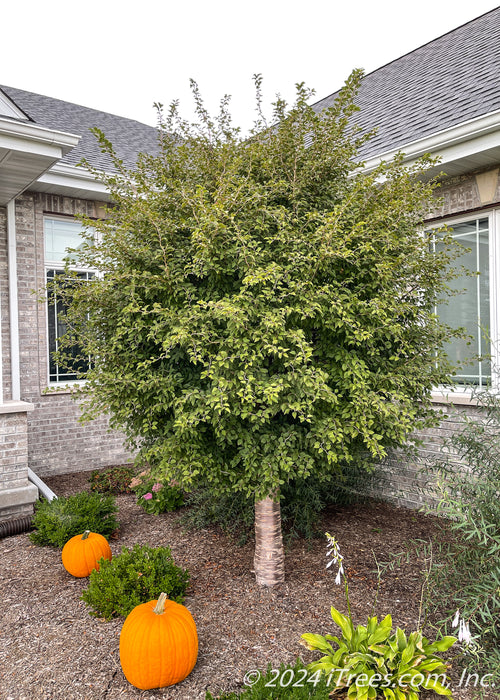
57,441
402,480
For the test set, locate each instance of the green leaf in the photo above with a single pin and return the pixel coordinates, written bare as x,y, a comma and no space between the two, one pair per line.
401,639
441,645
382,631
316,641
436,686
344,623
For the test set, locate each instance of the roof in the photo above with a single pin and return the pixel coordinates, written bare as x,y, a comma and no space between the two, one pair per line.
449,81
129,137
446,82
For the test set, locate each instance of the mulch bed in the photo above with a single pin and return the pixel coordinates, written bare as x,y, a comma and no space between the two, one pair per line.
50,647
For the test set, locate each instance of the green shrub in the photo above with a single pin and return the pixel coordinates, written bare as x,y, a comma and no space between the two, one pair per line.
303,501
286,683
58,520
135,576
115,480
154,495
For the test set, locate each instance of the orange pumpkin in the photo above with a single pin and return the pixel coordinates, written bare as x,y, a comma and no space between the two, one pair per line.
158,644
80,554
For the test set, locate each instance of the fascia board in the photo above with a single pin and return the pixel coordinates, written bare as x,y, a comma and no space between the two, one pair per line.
31,138
459,141
69,176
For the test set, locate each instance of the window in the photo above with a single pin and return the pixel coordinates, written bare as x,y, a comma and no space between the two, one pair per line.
475,308
59,235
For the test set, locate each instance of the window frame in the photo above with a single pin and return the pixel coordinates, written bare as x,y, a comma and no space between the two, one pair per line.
461,394
58,266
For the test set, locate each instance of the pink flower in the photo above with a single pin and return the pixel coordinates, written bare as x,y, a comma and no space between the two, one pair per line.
157,487
148,496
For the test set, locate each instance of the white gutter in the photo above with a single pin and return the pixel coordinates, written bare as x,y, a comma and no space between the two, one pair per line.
73,177
28,137
459,141
13,302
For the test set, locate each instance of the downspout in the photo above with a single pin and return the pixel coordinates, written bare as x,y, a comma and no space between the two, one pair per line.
41,485
13,302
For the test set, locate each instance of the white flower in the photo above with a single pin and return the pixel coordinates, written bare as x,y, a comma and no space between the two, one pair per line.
456,619
333,551
464,634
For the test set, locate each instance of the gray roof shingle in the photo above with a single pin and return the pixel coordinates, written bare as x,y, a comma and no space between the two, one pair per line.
128,137
448,81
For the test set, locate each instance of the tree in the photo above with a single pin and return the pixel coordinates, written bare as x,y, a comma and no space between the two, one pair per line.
266,307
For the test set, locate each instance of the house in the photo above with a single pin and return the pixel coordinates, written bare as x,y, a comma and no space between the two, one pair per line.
442,98
41,190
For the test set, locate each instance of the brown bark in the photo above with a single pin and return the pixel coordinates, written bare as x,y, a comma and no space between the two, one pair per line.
269,560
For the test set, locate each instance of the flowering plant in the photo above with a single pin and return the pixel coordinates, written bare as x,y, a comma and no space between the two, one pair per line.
154,495
373,661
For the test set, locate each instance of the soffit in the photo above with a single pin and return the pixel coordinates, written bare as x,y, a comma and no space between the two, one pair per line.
26,152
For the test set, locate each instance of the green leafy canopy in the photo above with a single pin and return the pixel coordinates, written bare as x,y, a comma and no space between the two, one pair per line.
266,305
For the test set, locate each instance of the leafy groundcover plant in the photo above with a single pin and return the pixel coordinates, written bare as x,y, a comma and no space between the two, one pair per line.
135,576
55,522
374,661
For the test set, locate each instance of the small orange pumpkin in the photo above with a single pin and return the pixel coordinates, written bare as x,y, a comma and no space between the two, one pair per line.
80,554
158,644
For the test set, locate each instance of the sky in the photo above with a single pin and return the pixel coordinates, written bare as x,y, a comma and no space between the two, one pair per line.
122,57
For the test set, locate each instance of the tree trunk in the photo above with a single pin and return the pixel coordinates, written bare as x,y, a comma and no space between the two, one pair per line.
269,560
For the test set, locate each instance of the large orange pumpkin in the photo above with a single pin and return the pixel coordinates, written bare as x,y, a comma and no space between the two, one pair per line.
80,554
158,644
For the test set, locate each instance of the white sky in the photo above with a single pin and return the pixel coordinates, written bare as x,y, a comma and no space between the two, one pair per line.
121,56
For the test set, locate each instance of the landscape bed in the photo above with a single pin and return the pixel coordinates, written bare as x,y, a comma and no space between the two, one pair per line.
51,647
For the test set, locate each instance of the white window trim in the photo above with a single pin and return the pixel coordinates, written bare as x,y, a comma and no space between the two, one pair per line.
68,385
460,394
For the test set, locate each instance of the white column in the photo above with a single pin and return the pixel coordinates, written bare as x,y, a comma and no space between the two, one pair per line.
13,305
1,355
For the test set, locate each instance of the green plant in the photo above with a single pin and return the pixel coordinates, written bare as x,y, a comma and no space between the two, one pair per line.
115,480
55,522
133,577
154,495
466,572
288,682
373,660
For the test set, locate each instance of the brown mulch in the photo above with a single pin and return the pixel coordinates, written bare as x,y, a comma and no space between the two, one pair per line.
50,647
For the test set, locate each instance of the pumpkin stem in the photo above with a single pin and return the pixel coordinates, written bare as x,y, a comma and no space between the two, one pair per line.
159,608
85,534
